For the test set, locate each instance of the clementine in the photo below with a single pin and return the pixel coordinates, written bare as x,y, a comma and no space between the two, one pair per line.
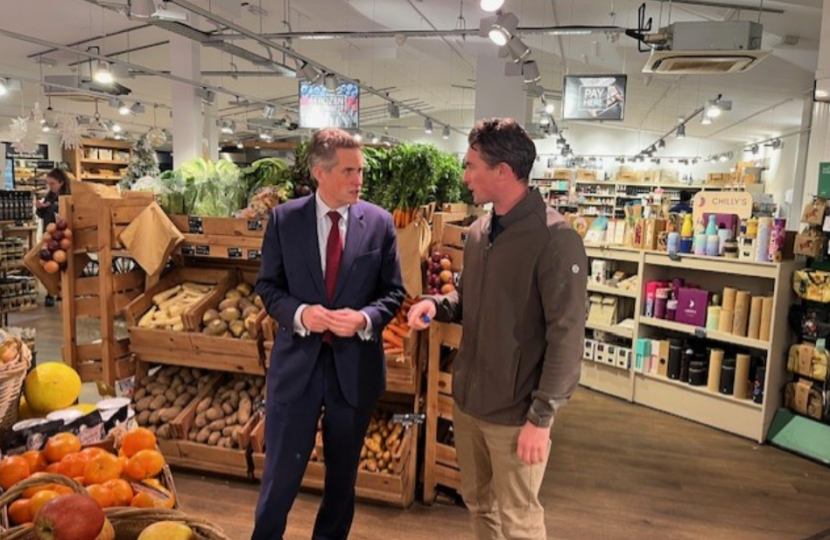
20,512
37,461
61,445
102,468
93,451
54,468
102,495
137,440
145,464
143,499
73,465
122,491
41,498
13,469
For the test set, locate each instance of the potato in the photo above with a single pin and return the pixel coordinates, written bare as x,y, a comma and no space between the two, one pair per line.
363,453
170,414
143,418
171,395
158,391
244,411
217,425
215,413
372,445
258,302
233,294
244,289
182,400
139,394
230,314
165,432
203,435
227,431
143,404
146,380
153,429
228,304
387,456
214,438
234,399
237,328
232,420
158,402
154,417
371,465
201,420
203,405
237,431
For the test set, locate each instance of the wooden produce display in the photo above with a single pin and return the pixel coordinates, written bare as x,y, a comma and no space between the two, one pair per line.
99,291
221,238
440,461
99,160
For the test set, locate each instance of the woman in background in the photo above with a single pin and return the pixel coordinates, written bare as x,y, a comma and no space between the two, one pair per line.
57,182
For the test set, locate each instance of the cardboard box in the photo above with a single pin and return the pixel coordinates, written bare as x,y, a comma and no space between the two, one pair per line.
590,349
562,174
718,178
669,176
586,175
654,226
691,306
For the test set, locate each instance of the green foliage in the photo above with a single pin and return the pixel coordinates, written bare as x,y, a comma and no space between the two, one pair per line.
450,178
204,188
143,162
375,174
268,172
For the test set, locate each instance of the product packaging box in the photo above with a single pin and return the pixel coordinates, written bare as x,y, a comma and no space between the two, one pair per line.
643,352
590,349
654,226
611,354
600,352
623,357
691,306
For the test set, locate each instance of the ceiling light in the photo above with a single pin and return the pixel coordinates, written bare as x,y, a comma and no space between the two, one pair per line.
103,75
375,139
549,108
445,133
358,137
330,81
503,29
394,110
227,128
122,107
705,120
268,111
307,71
530,71
428,126
46,128
661,143
544,120
264,136
3,87
713,112
723,158
116,128
137,108
518,50
491,5
240,145
681,131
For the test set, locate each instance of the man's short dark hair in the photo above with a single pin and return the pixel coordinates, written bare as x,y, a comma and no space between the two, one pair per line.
503,140
685,196
324,145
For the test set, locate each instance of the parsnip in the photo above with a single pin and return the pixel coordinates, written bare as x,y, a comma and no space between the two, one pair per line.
162,296
145,320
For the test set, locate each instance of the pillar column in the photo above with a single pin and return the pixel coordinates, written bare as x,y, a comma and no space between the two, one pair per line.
185,61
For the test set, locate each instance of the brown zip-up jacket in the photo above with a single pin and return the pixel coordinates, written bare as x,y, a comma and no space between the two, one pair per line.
523,304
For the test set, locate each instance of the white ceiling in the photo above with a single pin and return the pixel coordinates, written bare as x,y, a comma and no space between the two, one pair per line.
439,73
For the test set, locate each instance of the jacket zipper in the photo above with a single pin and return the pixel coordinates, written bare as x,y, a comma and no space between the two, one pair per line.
482,288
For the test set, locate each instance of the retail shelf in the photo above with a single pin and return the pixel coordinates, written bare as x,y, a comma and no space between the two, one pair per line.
100,177
606,378
105,162
707,334
701,390
615,253
605,289
714,264
616,330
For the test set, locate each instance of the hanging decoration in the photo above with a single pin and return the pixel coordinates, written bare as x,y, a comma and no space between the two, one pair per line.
24,135
143,163
72,133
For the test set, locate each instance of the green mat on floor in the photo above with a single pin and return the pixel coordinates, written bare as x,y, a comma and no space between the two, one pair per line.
801,435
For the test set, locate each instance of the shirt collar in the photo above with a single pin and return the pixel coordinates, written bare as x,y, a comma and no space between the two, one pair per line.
323,209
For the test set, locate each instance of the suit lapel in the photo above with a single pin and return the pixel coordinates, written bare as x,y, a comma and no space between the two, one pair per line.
354,243
311,246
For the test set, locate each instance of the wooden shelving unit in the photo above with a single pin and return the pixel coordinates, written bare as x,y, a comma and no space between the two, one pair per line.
739,416
88,168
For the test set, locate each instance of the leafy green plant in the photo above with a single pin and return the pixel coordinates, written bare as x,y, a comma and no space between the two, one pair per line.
449,178
412,178
206,188
375,174
268,172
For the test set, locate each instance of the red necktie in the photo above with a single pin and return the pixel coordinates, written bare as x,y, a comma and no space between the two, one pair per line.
334,252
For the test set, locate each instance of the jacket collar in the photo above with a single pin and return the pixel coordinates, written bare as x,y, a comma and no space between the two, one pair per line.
530,204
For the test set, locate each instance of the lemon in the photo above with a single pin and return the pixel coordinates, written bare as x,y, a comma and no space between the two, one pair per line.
24,412
52,386
85,408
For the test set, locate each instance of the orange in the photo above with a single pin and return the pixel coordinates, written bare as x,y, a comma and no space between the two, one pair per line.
73,465
37,461
94,451
145,464
54,468
60,446
62,490
102,468
102,495
122,492
137,440
13,469
41,498
168,501
20,512
143,499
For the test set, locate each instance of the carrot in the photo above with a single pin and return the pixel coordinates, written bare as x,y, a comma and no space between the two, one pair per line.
397,330
392,338
393,351
396,214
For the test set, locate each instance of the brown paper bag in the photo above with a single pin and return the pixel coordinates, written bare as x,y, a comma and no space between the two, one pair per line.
411,250
151,238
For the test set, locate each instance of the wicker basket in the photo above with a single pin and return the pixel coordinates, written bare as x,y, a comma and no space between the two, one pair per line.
12,377
127,522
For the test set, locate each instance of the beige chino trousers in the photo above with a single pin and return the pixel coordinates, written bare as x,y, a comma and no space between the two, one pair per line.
501,492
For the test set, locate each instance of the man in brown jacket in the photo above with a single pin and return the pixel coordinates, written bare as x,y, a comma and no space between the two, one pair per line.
522,297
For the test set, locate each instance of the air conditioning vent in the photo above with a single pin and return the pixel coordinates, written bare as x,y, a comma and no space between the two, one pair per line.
702,62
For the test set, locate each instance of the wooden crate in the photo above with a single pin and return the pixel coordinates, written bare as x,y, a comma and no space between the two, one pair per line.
239,248
438,221
402,373
440,464
218,226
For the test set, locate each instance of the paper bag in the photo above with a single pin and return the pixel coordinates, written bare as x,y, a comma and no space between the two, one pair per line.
51,282
151,238
411,250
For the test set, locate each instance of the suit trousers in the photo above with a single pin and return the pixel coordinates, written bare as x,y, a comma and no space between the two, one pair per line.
290,433
501,492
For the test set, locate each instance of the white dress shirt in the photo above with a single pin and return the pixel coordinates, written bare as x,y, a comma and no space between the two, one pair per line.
323,229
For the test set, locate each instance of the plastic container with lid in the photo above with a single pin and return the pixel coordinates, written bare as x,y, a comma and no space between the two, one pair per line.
65,415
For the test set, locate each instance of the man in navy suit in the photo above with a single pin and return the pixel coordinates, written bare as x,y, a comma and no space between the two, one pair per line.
331,278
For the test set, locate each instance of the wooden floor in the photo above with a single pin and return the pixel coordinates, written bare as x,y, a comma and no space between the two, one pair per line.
617,472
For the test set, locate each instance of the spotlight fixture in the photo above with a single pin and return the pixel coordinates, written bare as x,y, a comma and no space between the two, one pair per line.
268,111
661,143
428,126
544,120
240,146
137,108
549,108
503,29
228,127
715,107
681,131
116,128
445,133
491,5
358,137
46,128
394,110
530,72
517,48
123,110
4,88
723,158
705,120
375,139
307,71
754,149
103,75
330,81
776,144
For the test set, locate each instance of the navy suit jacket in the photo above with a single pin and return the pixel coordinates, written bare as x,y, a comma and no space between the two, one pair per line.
369,279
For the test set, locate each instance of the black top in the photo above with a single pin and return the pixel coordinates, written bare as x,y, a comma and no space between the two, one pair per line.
496,227
48,214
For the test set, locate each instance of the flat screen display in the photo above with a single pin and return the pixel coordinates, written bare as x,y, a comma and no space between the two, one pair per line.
321,108
594,97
